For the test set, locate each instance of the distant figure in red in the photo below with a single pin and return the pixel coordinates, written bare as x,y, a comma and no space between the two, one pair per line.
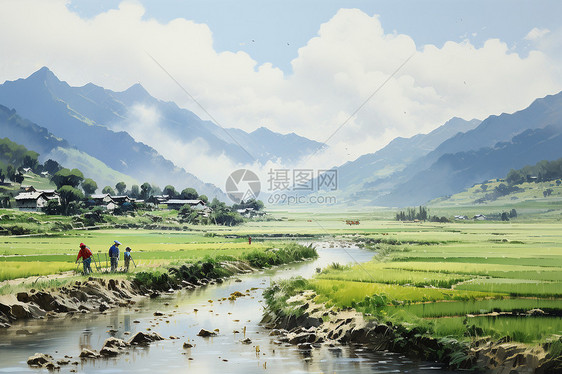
86,255
249,240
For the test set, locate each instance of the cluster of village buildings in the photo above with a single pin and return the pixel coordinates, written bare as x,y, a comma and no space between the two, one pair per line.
33,200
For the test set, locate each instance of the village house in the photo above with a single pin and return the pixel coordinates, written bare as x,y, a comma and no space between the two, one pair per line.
479,217
178,203
34,201
122,199
104,200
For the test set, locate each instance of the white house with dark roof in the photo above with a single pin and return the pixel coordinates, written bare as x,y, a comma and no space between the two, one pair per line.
34,201
178,203
104,200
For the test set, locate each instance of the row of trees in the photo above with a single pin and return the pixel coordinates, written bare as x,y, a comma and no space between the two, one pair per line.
420,214
542,171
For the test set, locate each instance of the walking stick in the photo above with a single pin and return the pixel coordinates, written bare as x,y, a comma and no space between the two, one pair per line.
133,262
106,267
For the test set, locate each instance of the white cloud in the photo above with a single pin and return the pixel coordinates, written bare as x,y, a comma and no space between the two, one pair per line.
333,74
536,33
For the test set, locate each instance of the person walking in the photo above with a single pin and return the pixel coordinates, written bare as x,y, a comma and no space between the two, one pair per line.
127,258
114,255
86,255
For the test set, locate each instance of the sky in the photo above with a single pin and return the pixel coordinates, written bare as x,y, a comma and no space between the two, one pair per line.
354,74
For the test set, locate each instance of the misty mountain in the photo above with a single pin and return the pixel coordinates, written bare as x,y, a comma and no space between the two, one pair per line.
40,140
398,154
42,98
452,173
27,133
462,160
116,111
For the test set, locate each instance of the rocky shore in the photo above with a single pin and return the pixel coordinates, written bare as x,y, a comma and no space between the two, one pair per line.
100,294
309,325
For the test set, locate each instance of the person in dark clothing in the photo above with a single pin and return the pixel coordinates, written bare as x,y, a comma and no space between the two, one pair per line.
114,255
86,255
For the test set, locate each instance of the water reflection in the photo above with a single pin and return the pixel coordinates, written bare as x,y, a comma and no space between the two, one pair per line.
85,340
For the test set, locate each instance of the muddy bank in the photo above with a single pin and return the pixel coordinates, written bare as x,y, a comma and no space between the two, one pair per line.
100,294
309,326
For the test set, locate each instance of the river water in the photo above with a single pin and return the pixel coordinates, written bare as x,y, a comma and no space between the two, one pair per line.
223,353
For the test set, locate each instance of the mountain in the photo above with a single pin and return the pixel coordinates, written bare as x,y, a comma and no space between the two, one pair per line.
117,111
398,154
453,173
498,144
40,140
266,145
27,133
41,98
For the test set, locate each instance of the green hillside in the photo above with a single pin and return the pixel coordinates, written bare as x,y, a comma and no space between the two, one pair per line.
530,200
90,166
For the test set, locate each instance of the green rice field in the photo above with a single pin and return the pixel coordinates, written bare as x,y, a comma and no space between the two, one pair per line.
457,278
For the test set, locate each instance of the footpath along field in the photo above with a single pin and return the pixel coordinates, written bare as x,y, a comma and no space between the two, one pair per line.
464,280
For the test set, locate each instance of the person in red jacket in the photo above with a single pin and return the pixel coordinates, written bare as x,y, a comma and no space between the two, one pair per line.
86,255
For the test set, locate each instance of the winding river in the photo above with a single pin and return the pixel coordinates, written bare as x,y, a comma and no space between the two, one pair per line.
223,353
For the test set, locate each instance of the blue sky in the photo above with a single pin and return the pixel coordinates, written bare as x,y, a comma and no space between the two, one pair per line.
272,31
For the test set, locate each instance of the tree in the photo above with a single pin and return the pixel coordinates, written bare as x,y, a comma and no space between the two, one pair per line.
204,198
505,217
189,194
146,191
484,187
11,173
89,186
30,159
156,190
68,195
121,187
170,191
188,214
51,166
18,178
66,177
515,177
53,207
2,171
108,189
513,213
135,191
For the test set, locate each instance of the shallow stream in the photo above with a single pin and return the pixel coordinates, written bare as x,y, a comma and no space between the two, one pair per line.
220,354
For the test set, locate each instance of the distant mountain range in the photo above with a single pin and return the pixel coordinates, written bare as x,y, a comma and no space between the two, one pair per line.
83,127
90,118
464,153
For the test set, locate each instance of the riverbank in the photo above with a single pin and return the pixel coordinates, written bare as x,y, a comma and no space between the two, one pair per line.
295,318
97,294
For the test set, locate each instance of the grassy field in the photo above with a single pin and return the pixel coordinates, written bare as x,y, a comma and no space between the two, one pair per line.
451,278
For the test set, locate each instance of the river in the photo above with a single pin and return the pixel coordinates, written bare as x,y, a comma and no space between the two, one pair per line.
220,354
